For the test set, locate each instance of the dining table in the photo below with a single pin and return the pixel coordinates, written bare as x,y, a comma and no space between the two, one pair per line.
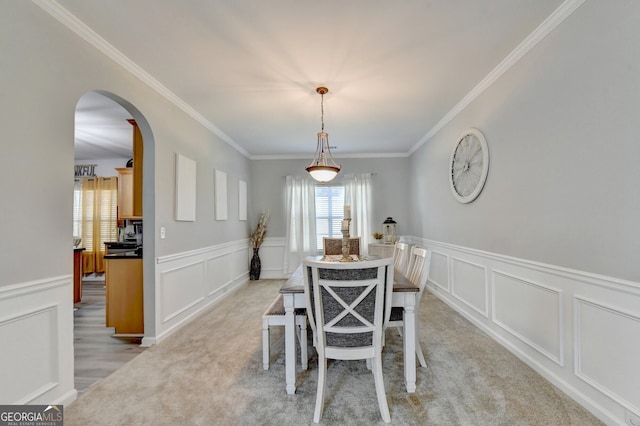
404,296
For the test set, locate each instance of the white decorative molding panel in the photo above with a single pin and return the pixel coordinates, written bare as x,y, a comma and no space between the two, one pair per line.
469,284
36,328
439,271
530,311
607,347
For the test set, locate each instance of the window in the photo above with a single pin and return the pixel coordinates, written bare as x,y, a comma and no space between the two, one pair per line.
95,207
329,212
77,209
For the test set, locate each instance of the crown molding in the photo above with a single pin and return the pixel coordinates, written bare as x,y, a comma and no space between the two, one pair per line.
548,25
74,24
309,156
54,8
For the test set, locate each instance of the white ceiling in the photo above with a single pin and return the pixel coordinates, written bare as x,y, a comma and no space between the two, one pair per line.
249,69
101,129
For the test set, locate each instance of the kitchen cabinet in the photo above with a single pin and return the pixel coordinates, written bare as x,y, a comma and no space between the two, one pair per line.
130,181
138,154
124,301
125,193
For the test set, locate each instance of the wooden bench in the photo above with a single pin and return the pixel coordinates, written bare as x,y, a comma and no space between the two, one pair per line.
274,315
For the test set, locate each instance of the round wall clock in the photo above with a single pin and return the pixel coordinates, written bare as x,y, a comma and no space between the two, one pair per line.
469,166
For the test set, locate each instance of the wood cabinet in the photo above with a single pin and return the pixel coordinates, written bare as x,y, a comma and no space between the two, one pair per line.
125,193
124,301
138,154
77,274
130,181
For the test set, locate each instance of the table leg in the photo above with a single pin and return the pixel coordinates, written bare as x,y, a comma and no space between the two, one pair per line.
289,343
409,334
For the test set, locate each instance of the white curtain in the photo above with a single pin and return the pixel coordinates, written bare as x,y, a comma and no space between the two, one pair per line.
357,194
300,238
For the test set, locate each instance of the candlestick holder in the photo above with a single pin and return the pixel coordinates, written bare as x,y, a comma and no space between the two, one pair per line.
346,257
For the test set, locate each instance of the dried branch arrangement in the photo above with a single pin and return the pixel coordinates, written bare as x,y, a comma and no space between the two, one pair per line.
257,237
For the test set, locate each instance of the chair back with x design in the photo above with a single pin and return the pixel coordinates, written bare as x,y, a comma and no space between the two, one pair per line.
347,314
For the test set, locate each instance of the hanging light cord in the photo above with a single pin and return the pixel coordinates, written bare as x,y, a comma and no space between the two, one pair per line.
322,110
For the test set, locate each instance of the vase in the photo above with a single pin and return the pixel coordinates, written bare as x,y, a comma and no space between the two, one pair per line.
254,270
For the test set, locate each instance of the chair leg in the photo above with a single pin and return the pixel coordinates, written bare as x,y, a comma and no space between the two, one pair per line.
304,356
423,363
265,344
379,383
322,378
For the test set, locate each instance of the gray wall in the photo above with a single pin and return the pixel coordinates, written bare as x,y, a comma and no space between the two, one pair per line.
390,195
45,70
562,128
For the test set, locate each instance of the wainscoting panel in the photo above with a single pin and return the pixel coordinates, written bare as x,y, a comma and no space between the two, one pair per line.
469,284
272,258
219,273
439,270
36,331
181,288
519,306
188,283
578,330
608,333
41,343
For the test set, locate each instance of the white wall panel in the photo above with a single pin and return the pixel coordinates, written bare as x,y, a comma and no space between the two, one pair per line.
271,257
607,348
30,339
469,284
190,282
439,270
181,288
219,273
530,311
36,334
240,264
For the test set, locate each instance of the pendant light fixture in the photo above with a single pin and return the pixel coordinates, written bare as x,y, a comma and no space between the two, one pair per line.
323,168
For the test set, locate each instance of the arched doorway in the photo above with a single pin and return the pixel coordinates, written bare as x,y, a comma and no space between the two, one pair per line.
104,142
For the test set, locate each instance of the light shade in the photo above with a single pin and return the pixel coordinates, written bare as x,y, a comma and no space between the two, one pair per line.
322,167
323,173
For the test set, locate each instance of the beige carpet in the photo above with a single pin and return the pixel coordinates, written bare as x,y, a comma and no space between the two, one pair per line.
210,373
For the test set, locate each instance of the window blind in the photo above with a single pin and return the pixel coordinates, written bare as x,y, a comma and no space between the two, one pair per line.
329,212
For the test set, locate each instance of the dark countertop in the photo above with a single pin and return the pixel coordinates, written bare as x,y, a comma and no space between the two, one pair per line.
133,254
121,244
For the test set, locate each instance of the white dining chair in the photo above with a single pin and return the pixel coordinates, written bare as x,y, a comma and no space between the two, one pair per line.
348,316
274,316
418,274
401,256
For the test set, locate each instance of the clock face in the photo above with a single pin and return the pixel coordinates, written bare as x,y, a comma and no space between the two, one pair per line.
469,166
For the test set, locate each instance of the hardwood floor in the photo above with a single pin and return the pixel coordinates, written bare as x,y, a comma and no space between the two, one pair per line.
97,352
